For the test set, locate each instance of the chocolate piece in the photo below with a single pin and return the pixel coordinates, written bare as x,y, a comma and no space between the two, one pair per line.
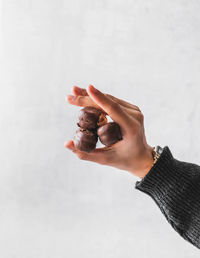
109,133
85,140
90,118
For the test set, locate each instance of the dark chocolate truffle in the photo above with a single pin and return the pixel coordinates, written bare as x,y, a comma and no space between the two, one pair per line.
109,133
90,118
85,140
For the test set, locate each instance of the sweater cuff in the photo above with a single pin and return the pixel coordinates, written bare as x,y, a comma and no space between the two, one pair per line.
174,186
159,178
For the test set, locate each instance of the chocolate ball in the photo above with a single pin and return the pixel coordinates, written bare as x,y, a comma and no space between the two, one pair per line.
85,140
90,118
109,133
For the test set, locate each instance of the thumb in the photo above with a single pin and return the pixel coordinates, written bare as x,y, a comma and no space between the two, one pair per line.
99,155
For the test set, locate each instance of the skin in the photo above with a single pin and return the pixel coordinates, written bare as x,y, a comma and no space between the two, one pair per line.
132,153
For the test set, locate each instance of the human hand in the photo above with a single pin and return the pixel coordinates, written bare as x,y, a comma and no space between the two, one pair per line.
132,153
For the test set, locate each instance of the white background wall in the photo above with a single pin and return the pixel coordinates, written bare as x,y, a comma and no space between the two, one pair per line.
53,205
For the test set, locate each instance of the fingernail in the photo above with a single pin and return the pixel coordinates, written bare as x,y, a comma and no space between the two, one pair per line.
93,89
70,97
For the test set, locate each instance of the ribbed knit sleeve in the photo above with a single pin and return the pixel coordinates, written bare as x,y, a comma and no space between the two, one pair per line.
175,187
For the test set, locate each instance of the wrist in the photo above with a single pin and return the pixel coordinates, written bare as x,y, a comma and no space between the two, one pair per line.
144,163
155,152
147,162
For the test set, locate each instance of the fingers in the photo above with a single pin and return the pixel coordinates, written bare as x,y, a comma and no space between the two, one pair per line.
82,101
112,108
81,98
77,91
99,155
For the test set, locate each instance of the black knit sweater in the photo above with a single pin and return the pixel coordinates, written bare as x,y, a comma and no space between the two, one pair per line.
175,186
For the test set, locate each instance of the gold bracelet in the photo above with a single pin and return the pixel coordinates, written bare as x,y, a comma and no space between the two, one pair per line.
157,150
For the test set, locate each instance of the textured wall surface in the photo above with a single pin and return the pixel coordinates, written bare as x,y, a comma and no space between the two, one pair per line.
53,205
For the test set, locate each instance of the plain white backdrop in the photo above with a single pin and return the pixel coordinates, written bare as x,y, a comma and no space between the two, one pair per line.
53,205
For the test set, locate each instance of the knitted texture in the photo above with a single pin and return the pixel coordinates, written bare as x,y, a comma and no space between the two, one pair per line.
175,187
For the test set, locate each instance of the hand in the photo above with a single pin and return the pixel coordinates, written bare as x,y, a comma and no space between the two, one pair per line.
132,153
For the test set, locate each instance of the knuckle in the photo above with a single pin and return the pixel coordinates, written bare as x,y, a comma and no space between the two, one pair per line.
140,117
137,108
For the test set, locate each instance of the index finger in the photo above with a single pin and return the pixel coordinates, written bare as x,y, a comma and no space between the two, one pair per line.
113,109
77,91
